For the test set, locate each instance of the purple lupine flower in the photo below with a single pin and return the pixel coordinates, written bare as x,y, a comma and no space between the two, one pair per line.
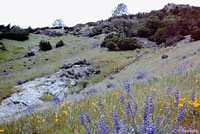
192,126
151,129
128,109
181,130
169,90
127,87
123,129
88,118
145,113
151,106
103,127
113,129
193,97
121,98
100,102
88,131
56,101
116,123
181,114
82,119
141,75
135,108
158,121
167,111
175,130
176,95
142,129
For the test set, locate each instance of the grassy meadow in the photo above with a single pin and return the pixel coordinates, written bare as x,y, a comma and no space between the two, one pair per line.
165,102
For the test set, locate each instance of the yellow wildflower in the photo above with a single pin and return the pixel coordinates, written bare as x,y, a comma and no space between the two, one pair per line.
160,102
196,100
64,112
62,105
60,115
114,94
190,102
2,130
43,120
153,89
97,102
197,81
182,99
31,118
56,116
68,107
36,126
102,97
93,104
39,121
33,115
38,116
196,105
57,120
180,105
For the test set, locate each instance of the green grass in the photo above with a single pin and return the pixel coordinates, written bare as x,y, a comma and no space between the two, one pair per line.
110,62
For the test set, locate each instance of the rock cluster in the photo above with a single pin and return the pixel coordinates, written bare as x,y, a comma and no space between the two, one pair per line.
55,85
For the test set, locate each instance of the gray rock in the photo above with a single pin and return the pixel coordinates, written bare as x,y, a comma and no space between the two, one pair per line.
29,54
164,56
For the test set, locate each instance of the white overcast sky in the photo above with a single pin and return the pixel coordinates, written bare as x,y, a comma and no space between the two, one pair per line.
39,13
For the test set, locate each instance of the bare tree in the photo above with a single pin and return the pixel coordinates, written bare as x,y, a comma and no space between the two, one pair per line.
120,10
58,23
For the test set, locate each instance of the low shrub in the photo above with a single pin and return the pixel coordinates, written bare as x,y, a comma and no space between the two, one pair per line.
160,35
15,33
117,44
144,32
196,34
60,44
45,45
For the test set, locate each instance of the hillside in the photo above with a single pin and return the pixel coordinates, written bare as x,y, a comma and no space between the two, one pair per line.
128,74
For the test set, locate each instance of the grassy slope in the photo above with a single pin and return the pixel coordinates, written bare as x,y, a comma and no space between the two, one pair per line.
57,57
161,70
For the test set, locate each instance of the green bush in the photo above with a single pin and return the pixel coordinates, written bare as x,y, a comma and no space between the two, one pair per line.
45,45
160,35
60,44
144,32
196,34
117,44
15,33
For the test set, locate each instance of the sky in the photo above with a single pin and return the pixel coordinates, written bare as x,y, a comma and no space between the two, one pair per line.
40,13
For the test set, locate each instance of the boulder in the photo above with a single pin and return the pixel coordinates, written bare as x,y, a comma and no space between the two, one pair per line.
29,54
164,56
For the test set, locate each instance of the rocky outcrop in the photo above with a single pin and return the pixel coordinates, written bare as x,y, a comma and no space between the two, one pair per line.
48,33
29,94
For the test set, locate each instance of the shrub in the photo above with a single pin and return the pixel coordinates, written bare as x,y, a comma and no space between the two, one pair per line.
160,35
15,33
45,45
144,32
117,44
196,34
60,44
